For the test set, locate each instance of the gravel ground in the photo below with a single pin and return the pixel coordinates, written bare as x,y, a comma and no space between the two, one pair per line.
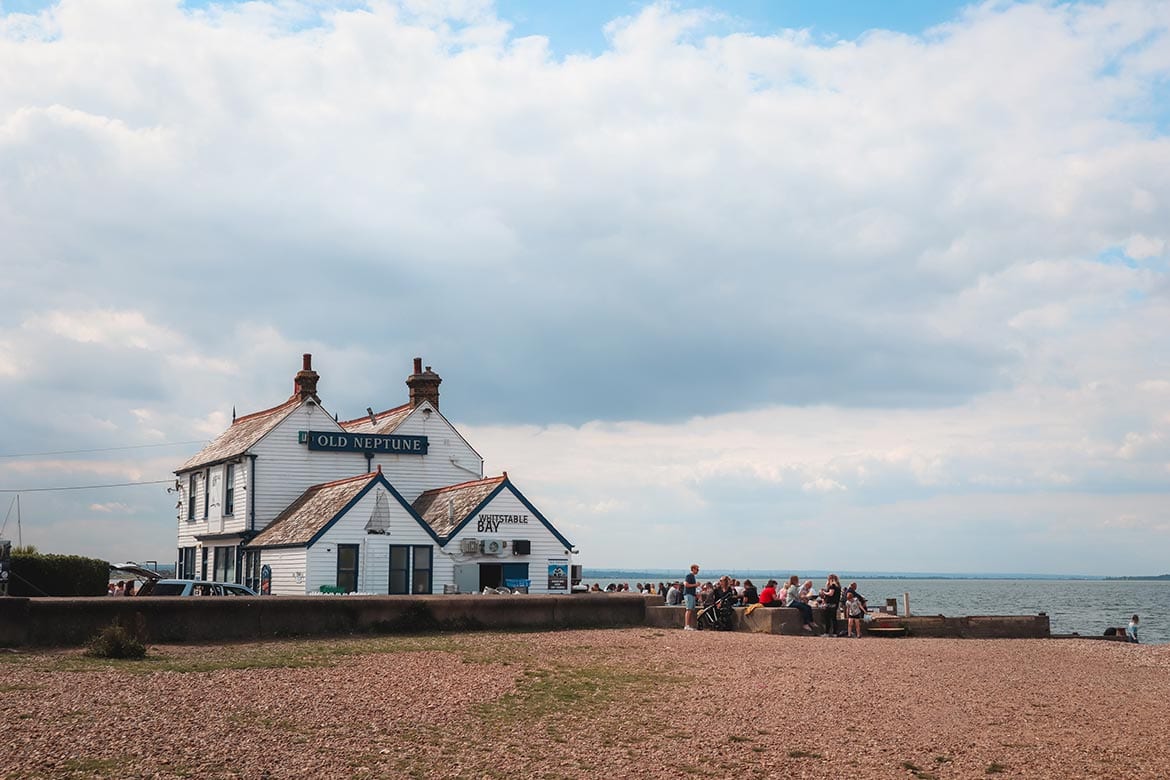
644,703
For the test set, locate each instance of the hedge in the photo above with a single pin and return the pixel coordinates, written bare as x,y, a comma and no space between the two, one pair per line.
58,575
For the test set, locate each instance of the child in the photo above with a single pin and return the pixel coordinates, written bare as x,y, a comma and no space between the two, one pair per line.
853,611
1131,630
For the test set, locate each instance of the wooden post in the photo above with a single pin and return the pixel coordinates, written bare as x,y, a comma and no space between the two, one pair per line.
906,604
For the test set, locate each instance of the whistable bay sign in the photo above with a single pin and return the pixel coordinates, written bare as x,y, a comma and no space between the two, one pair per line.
390,443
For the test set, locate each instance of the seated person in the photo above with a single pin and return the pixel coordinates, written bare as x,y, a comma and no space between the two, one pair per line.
768,595
749,594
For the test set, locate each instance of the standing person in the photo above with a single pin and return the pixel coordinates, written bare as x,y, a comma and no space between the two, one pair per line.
129,590
853,613
1131,630
831,594
690,594
860,598
795,600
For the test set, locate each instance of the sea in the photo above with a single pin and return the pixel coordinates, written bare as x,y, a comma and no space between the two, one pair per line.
1084,606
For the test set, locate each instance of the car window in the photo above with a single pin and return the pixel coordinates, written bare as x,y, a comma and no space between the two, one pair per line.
168,589
235,590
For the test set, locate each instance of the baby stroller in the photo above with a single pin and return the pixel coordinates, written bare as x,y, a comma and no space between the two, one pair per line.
719,615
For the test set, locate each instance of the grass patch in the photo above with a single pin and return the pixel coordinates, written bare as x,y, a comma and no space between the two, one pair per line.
281,654
803,754
90,767
568,689
116,641
738,738
995,768
942,759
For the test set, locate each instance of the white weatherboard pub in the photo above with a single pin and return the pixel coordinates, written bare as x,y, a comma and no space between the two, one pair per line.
292,501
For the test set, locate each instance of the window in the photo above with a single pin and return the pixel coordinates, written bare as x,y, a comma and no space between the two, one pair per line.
347,567
206,492
185,567
203,572
421,581
225,564
191,496
229,488
399,569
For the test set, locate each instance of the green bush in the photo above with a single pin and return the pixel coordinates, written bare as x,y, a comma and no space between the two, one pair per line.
114,641
57,575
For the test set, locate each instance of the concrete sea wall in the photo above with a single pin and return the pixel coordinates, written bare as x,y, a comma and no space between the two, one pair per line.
48,622
73,621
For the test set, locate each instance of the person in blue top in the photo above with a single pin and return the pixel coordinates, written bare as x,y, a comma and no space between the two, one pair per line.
1131,630
690,593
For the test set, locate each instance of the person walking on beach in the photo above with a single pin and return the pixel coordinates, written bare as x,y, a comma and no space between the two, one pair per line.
690,594
1131,630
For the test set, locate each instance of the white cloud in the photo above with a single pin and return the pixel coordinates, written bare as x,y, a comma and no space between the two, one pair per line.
795,279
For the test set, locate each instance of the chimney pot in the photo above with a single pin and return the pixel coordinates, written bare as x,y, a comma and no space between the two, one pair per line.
423,386
305,382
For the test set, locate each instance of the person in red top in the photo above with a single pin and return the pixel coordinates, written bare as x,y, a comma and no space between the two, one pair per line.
768,595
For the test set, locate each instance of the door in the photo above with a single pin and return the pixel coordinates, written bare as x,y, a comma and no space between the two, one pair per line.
516,575
491,575
347,567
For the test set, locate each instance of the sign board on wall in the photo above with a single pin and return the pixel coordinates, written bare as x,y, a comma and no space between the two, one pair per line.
558,576
388,443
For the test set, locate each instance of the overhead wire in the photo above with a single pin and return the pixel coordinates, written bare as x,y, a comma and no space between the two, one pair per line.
85,487
100,449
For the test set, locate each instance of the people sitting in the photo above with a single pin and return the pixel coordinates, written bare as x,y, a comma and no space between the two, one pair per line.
799,601
749,595
769,597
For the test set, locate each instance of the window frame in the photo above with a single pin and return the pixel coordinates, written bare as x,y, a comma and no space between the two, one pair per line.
229,489
416,570
404,571
191,497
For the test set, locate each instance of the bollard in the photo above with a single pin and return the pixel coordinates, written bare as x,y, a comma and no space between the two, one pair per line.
906,604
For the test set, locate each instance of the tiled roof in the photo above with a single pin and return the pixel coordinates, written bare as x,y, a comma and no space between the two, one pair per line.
306,516
387,421
242,435
443,509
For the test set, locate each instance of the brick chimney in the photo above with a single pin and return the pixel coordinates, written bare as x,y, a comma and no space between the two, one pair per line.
424,385
305,382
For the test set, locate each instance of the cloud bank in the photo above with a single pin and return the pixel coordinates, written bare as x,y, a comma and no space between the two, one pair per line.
905,290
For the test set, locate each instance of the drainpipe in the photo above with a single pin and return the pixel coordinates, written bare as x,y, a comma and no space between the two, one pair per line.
251,492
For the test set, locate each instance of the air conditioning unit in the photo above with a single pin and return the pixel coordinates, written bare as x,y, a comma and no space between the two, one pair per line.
469,546
492,547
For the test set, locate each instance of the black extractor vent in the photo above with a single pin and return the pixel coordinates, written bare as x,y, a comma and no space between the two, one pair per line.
521,547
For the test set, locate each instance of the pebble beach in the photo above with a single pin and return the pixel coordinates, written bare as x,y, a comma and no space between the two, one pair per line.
631,703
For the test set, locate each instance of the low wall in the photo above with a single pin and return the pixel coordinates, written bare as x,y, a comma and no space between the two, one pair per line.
763,620
975,627
73,621
786,620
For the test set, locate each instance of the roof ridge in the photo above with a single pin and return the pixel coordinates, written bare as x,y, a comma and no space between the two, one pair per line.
398,408
265,411
343,480
481,481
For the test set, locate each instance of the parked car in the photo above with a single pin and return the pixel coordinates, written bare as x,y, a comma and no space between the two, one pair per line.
198,588
153,585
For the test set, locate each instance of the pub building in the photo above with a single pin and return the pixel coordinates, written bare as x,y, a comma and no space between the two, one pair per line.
291,501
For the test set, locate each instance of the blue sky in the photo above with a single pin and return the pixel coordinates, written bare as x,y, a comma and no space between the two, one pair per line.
579,27
898,270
